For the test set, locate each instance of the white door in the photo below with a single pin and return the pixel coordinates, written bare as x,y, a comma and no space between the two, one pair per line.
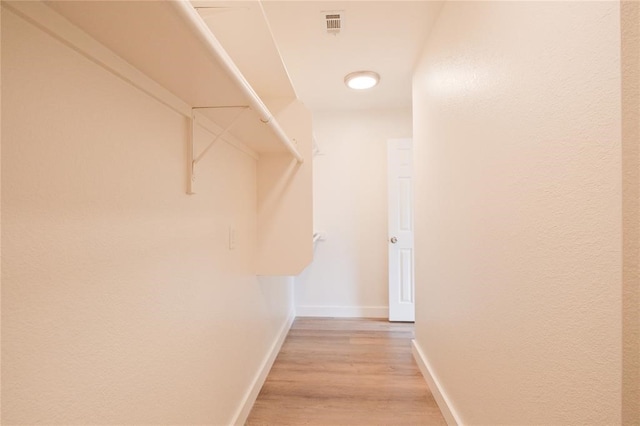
400,242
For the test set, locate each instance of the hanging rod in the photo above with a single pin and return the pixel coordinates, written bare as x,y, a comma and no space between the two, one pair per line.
214,47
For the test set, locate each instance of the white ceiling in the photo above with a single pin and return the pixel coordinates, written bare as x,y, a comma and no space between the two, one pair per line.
384,36
380,36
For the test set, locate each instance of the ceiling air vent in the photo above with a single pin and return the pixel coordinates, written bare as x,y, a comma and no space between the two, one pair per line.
333,22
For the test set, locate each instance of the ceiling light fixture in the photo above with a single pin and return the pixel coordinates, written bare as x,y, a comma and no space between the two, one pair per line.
361,80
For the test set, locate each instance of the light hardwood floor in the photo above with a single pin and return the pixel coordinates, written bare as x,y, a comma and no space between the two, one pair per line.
346,372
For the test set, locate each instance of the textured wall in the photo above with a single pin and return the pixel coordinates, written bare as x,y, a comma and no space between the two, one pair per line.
518,241
285,202
0,218
121,303
630,23
348,275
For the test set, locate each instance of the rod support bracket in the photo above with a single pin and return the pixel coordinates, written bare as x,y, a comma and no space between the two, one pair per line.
195,158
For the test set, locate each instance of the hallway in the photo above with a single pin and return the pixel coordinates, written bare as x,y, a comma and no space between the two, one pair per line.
182,179
346,371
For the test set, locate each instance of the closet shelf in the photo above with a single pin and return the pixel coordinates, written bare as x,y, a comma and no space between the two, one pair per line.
217,51
170,43
166,50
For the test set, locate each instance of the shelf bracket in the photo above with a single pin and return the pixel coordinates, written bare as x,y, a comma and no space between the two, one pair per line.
195,158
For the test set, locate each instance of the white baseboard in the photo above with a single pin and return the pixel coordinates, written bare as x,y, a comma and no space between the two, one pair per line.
343,311
250,396
443,401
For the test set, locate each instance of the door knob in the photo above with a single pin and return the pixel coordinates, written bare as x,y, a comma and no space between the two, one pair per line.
393,240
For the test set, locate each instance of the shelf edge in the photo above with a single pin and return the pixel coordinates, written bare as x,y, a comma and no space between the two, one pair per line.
200,28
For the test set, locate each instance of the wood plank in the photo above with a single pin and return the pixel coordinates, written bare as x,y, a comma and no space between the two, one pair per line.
345,372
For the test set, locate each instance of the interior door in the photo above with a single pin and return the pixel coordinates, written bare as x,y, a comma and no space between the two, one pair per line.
400,242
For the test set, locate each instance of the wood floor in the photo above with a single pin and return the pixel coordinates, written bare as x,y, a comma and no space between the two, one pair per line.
346,372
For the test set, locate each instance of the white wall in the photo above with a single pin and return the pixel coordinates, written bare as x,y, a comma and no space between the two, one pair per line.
518,220
121,303
348,276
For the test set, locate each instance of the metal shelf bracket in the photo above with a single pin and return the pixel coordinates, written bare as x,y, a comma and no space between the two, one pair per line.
193,157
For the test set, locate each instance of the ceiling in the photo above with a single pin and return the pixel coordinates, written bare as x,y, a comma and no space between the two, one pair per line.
380,36
384,36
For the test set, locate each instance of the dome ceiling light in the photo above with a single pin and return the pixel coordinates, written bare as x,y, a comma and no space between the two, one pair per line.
361,80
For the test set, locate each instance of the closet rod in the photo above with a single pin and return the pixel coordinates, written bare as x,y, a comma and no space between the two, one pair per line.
215,48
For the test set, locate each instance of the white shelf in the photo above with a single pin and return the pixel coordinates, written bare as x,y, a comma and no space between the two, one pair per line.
168,42
167,50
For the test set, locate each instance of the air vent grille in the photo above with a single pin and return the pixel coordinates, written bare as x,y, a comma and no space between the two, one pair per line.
333,22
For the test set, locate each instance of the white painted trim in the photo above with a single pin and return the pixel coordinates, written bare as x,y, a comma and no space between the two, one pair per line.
441,397
244,409
343,311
